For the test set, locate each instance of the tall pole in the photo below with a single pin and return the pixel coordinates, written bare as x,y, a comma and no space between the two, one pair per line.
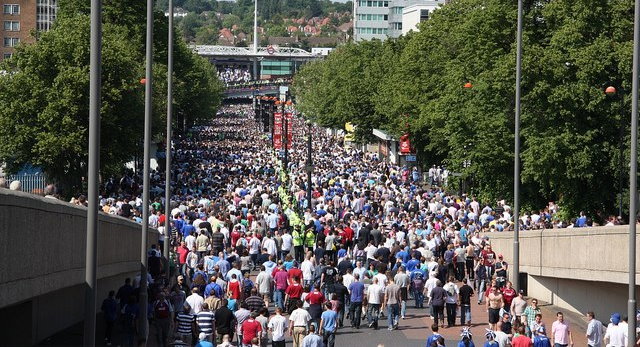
167,180
95,69
255,40
633,178
516,157
309,166
145,182
621,150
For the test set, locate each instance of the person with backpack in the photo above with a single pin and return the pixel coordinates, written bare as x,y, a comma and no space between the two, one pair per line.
162,314
417,287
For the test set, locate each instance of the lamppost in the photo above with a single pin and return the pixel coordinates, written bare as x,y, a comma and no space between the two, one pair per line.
148,95
611,91
167,181
633,176
516,156
309,164
95,82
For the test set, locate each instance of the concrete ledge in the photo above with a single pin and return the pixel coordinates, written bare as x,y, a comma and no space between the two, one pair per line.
43,243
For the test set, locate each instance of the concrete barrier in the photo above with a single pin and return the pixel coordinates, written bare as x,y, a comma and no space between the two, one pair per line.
42,243
580,270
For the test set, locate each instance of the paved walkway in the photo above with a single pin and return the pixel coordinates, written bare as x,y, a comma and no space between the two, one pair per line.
413,331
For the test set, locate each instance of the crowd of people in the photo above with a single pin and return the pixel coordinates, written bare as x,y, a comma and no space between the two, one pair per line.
254,262
234,75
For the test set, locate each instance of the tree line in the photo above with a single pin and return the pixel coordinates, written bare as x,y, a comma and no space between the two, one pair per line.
44,94
451,87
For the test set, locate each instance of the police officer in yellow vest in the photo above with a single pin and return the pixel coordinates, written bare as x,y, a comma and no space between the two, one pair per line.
298,245
310,239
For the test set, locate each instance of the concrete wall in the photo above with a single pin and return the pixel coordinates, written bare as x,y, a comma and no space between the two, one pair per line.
577,269
43,242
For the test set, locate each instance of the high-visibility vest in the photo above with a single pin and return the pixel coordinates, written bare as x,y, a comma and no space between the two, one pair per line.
297,239
310,239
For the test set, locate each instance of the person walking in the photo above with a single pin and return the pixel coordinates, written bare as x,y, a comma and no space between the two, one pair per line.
277,326
451,301
541,339
356,290
437,300
110,312
328,326
298,324
312,340
560,333
465,294
466,338
374,300
205,320
594,331
162,316
392,299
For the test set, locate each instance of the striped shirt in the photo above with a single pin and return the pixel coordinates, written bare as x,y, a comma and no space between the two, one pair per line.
184,322
205,321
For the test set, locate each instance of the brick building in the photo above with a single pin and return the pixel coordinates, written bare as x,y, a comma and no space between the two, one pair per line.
19,18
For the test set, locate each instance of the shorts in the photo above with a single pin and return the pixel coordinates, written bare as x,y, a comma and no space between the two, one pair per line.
403,293
494,315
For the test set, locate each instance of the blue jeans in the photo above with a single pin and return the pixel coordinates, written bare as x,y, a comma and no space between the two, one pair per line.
328,338
393,312
278,297
465,314
372,314
419,296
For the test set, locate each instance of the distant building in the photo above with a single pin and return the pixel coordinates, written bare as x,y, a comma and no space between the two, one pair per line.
323,51
380,19
415,14
20,17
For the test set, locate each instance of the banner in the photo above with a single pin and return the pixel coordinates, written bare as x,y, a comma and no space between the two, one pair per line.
349,129
289,118
277,130
405,144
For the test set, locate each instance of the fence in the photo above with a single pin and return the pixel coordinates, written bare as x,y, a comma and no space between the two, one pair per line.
31,183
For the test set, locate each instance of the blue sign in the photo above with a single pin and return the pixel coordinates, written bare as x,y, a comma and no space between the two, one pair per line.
410,158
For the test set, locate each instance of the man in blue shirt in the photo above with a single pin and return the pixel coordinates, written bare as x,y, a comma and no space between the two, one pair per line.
433,338
541,340
328,325
356,288
213,288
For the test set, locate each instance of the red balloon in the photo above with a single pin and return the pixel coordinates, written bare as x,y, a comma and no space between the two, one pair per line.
610,90
143,81
468,85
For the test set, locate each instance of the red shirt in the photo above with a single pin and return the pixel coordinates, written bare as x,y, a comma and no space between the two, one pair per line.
521,341
348,233
182,252
294,290
294,272
508,295
250,329
234,288
315,298
234,237
488,257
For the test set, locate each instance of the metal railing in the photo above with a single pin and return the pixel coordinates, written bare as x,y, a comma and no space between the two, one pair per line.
31,183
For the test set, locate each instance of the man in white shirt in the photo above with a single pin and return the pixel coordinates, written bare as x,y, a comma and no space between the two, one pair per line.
374,299
307,267
616,335
298,323
195,301
277,326
287,244
269,244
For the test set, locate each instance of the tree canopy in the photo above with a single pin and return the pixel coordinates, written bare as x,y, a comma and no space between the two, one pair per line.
44,97
570,129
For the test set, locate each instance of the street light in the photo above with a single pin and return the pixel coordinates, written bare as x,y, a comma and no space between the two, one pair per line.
516,156
611,92
633,178
95,82
309,163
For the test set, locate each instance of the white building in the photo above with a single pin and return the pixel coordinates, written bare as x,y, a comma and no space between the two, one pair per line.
380,19
415,14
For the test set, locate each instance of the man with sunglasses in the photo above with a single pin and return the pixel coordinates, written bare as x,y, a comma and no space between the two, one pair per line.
530,313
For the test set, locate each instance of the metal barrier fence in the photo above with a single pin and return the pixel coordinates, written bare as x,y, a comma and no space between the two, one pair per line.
31,183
